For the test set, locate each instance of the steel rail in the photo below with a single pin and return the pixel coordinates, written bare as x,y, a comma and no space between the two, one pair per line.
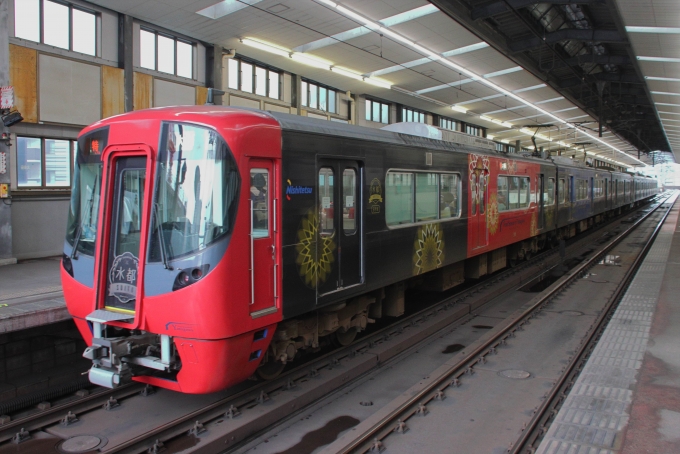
557,394
450,377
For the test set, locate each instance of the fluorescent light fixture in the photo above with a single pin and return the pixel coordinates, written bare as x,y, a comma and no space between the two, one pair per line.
527,131
665,30
506,124
661,59
347,73
669,113
664,93
328,2
505,141
490,137
357,17
271,48
503,72
459,109
378,82
311,61
225,8
484,117
663,79
666,104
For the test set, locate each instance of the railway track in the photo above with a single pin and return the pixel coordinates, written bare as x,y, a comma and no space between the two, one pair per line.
167,422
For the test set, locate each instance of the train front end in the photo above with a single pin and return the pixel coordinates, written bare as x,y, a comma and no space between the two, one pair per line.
157,267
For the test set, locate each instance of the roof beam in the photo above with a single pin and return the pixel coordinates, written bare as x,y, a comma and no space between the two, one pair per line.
578,60
571,34
499,7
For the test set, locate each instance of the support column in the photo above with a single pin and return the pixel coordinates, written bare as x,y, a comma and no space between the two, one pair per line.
125,61
5,204
213,70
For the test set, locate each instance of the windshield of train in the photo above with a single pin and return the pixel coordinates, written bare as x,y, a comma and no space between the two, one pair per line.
196,191
81,231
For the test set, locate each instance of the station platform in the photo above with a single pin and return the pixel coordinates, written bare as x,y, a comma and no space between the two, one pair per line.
627,399
31,295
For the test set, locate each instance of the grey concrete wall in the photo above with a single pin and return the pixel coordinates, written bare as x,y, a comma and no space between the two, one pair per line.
38,226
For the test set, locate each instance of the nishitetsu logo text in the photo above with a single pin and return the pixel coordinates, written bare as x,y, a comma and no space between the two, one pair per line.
295,190
123,277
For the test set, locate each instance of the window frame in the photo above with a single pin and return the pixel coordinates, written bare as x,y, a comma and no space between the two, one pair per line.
304,100
71,7
73,145
405,110
478,129
414,212
175,40
369,111
519,186
444,120
255,65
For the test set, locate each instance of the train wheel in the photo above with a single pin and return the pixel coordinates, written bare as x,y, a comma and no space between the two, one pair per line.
270,370
345,338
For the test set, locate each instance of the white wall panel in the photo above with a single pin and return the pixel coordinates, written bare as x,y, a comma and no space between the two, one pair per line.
69,92
171,94
276,108
109,36
243,102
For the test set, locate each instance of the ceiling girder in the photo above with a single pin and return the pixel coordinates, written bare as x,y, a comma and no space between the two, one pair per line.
499,7
568,34
617,60
606,77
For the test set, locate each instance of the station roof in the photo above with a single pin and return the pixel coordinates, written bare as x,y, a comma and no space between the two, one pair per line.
517,67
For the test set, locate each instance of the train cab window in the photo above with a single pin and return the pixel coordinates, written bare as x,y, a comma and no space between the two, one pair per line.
426,196
448,199
259,195
549,194
399,198
349,185
326,205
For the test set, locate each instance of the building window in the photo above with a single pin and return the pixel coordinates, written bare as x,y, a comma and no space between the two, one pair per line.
412,115
473,130
44,163
511,149
500,147
318,97
57,24
166,54
255,79
447,123
377,111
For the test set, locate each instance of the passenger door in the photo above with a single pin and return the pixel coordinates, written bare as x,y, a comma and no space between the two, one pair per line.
339,251
263,238
479,186
541,200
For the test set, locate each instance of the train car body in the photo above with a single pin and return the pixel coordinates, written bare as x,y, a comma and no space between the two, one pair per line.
205,242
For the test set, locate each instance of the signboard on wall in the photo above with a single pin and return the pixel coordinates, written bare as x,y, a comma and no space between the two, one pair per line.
6,97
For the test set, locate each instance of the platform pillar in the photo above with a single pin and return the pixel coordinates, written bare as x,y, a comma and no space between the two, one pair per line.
6,257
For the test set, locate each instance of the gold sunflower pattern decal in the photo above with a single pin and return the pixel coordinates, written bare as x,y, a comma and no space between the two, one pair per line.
428,249
492,215
534,224
314,270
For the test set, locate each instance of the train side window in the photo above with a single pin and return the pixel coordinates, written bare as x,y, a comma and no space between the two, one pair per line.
524,192
399,198
502,193
259,194
549,195
448,199
561,191
473,190
326,205
513,192
427,195
349,185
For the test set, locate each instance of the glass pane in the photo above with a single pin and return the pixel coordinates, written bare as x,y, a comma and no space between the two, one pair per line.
399,198
473,196
185,59
385,118
57,162
331,101
549,196
56,21
147,49
368,110
260,81
246,77
376,111
326,206
84,32
304,89
259,188
322,98
349,178
523,192
448,200
273,85
29,162
426,197
27,19
233,74
482,192
313,96
166,54
513,192
131,209
502,193
196,190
